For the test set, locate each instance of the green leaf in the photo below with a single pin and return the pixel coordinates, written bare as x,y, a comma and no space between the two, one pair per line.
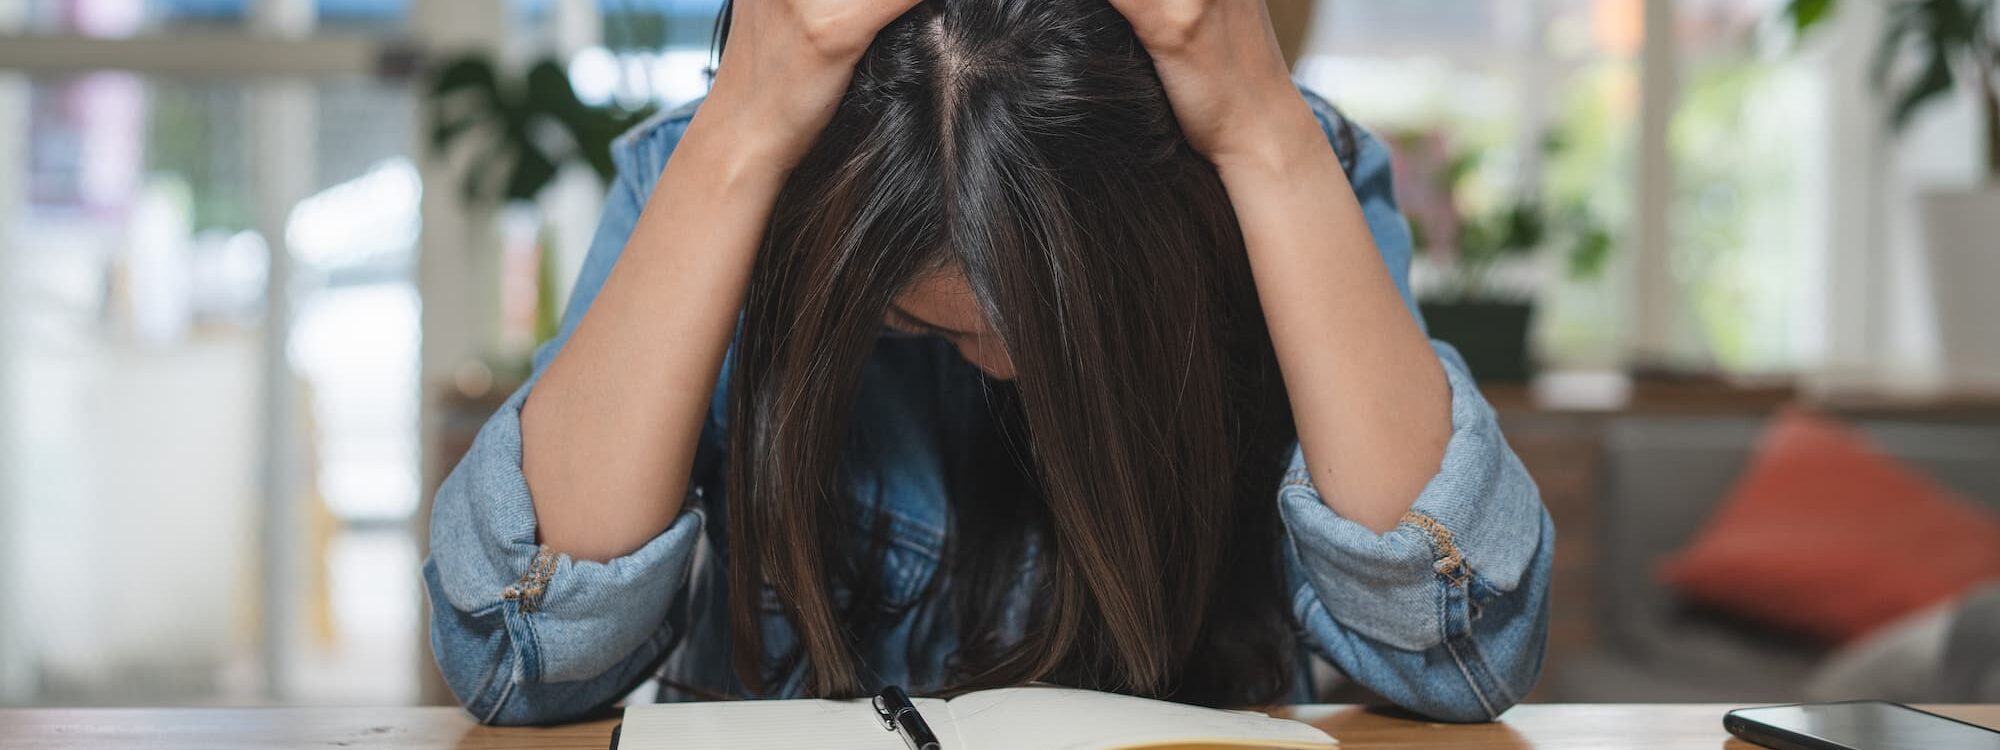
549,92
449,128
595,148
533,171
1555,142
1935,80
548,278
1807,15
521,113
1525,230
1478,244
1591,253
472,71
1460,166
1901,28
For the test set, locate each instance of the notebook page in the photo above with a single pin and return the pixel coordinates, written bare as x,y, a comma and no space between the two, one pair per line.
818,724
1051,718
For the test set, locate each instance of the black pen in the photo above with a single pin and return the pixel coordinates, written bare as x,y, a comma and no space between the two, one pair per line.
899,715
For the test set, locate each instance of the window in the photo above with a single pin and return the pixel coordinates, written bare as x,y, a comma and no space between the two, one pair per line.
1505,80
138,349
1491,83
646,52
1742,218
126,18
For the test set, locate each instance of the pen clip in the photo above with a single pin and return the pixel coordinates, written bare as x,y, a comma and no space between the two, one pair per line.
883,712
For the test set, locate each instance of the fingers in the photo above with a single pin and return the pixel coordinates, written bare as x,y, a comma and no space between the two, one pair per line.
1165,25
846,25
886,11
866,16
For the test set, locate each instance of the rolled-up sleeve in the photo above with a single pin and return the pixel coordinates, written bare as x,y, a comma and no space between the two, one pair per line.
523,634
1446,614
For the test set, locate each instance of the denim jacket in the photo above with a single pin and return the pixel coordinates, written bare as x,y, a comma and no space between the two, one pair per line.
1445,615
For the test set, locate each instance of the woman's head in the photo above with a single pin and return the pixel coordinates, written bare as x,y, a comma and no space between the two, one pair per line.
1010,172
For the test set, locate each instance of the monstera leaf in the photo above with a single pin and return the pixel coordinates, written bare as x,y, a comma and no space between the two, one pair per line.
530,126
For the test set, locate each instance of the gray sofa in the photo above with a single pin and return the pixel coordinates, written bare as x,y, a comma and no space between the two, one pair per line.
1662,477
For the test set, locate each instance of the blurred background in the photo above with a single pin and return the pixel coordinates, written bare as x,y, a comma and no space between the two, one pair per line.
266,265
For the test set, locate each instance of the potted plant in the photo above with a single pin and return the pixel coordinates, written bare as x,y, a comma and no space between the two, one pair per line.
525,129
1481,299
1958,47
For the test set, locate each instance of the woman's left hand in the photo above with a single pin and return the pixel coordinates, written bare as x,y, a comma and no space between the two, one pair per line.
1369,396
1224,74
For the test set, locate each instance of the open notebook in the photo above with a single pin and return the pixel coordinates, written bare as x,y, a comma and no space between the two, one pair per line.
1027,718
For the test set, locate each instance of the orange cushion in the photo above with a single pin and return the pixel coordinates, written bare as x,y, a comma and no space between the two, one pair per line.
1825,535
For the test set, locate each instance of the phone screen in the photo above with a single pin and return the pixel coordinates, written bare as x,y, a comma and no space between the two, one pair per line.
1874,725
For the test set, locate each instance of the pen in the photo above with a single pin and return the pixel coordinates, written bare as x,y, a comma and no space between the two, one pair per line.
899,715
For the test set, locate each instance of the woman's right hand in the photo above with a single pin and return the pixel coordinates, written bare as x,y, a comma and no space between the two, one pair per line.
787,65
610,431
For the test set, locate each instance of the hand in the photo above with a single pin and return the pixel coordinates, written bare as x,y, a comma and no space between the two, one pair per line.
786,66
1224,74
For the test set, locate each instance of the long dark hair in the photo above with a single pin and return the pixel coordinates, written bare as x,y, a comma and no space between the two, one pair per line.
1132,466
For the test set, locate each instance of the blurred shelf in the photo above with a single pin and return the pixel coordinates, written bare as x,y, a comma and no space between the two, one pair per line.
1617,394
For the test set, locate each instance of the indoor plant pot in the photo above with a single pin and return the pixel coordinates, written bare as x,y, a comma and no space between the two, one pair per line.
1959,45
1962,242
1492,335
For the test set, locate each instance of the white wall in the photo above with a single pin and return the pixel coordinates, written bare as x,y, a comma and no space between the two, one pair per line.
14,675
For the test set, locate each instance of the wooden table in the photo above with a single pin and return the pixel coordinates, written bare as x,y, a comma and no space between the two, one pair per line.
1595,727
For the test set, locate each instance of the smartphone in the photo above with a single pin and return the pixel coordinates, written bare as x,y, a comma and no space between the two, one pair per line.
1856,725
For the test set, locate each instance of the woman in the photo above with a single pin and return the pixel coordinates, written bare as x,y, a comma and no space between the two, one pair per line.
969,343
